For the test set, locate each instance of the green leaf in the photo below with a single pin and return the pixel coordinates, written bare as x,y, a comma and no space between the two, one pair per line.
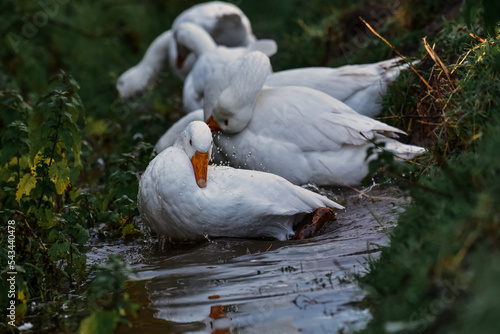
46,217
100,322
58,251
80,234
15,141
59,174
129,229
5,174
79,260
54,235
26,184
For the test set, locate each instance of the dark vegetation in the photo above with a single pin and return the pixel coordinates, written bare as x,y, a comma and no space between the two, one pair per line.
71,151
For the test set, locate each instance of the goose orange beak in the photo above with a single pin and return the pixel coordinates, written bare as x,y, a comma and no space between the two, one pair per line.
200,166
212,124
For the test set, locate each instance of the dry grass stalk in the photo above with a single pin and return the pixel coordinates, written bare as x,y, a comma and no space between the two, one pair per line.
438,61
397,52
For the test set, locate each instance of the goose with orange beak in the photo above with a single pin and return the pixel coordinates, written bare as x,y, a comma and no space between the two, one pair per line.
183,198
298,133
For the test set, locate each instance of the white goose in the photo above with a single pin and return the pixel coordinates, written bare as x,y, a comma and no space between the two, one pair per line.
210,56
298,133
225,22
359,86
182,198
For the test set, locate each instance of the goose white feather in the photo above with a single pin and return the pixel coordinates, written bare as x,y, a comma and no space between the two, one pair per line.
361,87
225,22
298,133
234,202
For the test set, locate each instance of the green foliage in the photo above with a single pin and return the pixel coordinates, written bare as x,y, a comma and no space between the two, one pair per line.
488,9
449,117
114,305
435,249
441,260
39,162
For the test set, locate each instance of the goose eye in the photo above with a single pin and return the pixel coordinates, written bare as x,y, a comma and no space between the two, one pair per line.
226,122
191,142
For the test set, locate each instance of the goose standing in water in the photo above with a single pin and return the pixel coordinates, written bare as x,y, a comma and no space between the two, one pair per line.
183,198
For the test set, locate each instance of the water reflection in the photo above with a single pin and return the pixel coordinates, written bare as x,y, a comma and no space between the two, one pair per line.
257,286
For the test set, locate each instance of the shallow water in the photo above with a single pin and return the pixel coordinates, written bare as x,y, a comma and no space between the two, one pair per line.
265,286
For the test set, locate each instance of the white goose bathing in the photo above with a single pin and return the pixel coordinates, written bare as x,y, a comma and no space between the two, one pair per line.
299,133
181,197
359,86
225,22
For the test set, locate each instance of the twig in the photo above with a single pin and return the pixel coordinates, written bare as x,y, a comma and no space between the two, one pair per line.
397,52
437,60
482,40
463,59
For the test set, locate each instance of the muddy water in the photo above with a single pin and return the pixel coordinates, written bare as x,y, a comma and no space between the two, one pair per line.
257,286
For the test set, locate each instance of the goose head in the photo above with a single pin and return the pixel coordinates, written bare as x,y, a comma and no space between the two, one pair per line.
132,82
196,141
231,93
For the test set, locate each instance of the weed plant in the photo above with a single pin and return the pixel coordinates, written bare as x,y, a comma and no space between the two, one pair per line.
437,274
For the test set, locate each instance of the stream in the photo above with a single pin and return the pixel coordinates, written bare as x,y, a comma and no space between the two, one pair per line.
267,286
